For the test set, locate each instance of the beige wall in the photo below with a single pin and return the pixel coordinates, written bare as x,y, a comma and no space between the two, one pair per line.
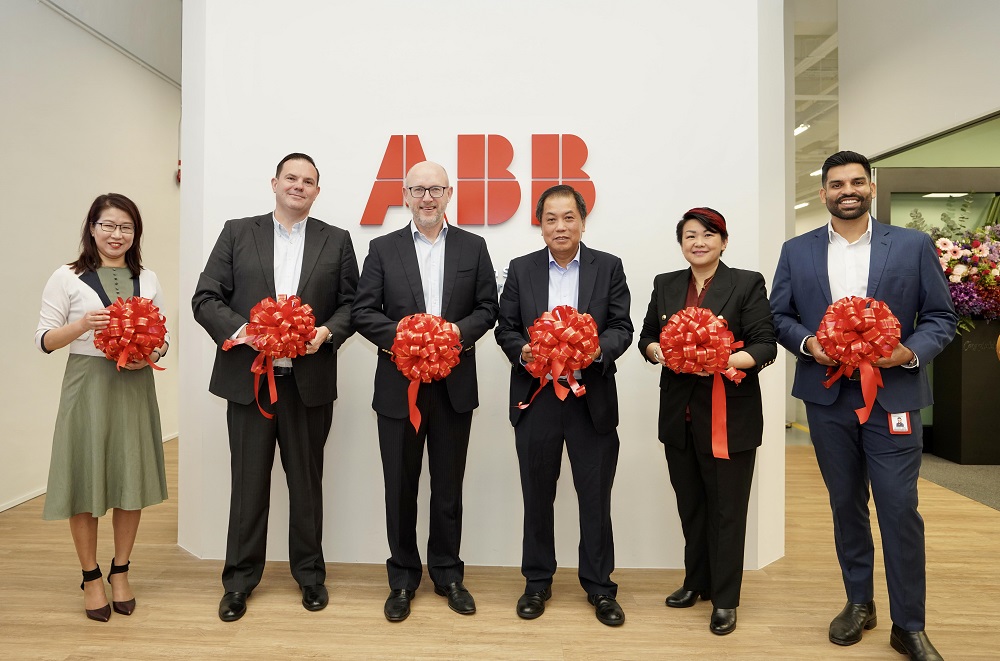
78,119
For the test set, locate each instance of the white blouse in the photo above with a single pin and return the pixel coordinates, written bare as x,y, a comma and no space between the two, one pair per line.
67,298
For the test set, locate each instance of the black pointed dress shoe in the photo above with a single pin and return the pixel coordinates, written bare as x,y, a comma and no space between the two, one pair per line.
846,628
532,604
913,643
397,606
459,599
683,598
607,609
233,606
315,597
723,621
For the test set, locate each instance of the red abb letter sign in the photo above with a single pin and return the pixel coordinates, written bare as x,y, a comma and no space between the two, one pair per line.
558,159
488,193
387,191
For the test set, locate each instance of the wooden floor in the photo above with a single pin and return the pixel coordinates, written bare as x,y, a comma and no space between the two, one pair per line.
785,613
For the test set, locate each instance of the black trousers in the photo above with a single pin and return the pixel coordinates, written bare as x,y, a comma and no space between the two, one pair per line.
300,433
539,436
446,433
712,499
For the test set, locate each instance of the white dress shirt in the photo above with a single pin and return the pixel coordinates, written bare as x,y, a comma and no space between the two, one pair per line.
430,259
288,250
848,263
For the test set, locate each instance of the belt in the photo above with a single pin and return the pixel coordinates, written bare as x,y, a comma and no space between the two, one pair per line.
856,376
281,370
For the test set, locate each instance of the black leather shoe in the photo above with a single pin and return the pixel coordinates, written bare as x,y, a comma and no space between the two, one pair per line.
315,597
397,606
607,609
682,598
233,606
846,628
723,621
532,604
459,599
914,643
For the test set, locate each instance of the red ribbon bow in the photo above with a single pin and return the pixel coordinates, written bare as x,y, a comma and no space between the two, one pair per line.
426,349
562,341
695,340
856,332
277,329
135,329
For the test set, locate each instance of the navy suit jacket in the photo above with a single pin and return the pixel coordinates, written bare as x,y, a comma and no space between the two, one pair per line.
603,294
240,273
740,298
391,289
904,273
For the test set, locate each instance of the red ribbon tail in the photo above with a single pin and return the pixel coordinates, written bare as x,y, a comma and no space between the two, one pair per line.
720,434
834,375
541,384
122,359
411,398
871,381
578,388
154,365
256,397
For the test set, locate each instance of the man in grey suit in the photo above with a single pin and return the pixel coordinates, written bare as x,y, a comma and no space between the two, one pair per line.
429,266
284,252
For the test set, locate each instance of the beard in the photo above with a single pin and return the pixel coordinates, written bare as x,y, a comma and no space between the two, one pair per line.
864,204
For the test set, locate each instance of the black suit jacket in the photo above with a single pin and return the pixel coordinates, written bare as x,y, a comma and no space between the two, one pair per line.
603,294
391,289
240,273
740,298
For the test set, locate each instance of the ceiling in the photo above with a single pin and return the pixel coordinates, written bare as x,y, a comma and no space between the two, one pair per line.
816,92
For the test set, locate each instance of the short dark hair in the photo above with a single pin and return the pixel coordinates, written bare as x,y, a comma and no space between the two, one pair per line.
296,156
561,189
90,258
844,158
706,220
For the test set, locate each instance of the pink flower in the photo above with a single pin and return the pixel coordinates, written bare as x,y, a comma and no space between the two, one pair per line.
954,252
944,244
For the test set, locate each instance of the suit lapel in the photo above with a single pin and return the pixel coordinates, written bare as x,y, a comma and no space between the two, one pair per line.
719,290
820,248
452,250
408,258
315,238
674,294
263,234
588,278
539,282
879,256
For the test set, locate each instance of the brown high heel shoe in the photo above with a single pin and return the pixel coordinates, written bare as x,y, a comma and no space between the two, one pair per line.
123,607
102,614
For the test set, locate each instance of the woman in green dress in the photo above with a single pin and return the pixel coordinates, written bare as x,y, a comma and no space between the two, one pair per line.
107,449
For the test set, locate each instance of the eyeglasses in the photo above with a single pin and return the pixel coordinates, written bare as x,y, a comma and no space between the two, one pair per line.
418,191
109,228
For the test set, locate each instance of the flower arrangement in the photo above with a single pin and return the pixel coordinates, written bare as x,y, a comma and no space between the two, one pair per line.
971,262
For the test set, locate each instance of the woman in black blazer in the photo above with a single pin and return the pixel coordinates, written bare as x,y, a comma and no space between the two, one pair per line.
712,493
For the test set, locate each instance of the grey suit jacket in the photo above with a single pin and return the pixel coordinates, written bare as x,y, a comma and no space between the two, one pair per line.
240,273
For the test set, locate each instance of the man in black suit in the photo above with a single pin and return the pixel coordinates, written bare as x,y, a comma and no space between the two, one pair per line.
284,252
432,267
566,273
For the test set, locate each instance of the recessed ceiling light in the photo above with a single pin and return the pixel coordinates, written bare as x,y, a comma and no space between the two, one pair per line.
800,205
946,195
800,129
816,173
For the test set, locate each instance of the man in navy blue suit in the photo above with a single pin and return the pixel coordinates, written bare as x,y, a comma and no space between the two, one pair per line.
854,255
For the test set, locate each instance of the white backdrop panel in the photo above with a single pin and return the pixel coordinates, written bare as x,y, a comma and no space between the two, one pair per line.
653,88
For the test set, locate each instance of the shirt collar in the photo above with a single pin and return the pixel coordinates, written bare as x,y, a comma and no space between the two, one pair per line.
296,228
863,239
415,233
576,258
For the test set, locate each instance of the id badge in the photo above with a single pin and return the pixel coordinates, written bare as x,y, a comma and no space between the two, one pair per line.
899,423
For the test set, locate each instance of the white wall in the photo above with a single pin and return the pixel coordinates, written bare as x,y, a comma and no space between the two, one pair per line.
912,68
670,123
78,119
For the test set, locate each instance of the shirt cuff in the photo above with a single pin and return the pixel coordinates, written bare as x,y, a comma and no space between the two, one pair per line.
802,349
236,335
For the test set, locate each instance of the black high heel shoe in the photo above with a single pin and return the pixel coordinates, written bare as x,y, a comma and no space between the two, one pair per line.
102,614
123,607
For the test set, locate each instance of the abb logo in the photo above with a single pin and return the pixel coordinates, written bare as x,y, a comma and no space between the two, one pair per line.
488,194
